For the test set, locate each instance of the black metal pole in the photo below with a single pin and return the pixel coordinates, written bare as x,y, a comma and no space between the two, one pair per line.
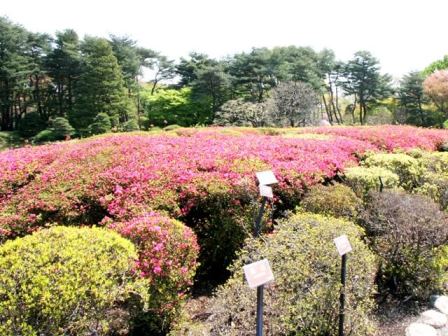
342,297
260,310
257,230
260,293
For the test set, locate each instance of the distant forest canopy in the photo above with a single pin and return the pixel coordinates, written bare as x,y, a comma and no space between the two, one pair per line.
53,87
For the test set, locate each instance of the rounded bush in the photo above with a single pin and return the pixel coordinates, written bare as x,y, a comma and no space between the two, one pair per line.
406,167
304,296
363,179
31,124
404,231
335,200
67,281
45,136
167,253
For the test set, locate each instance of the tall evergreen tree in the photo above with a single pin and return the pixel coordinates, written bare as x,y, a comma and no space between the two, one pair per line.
100,87
16,68
63,66
364,81
412,98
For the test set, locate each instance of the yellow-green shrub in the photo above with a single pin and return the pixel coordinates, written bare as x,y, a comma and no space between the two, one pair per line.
303,299
406,167
364,179
68,281
335,200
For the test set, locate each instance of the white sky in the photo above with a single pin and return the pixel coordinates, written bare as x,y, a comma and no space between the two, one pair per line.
403,35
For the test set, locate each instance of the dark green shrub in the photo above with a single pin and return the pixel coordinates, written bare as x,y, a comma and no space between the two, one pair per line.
61,128
303,299
45,136
130,126
222,217
404,230
336,200
31,124
101,124
68,281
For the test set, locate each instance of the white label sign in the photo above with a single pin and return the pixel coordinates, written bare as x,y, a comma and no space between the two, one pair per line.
266,191
258,273
342,244
266,177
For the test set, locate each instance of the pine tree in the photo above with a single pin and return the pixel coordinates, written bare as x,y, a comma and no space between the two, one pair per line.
100,88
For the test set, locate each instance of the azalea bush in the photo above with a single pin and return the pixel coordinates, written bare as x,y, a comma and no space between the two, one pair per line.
69,281
167,253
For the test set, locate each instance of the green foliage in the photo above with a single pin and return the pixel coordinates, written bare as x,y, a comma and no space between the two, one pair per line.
364,81
9,139
61,128
406,167
404,231
441,64
441,266
445,124
130,126
68,281
44,136
336,200
220,226
101,124
412,99
304,297
363,179
31,124
171,106
100,87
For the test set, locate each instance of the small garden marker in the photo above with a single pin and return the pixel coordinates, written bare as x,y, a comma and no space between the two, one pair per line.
343,246
259,273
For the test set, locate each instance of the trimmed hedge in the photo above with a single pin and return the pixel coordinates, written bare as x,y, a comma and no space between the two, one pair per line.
335,200
304,298
408,169
363,179
68,281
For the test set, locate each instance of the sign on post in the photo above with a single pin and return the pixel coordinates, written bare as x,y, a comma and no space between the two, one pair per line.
258,273
342,245
266,177
266,191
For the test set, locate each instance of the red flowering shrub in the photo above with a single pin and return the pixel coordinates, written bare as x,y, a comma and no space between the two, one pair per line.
167,252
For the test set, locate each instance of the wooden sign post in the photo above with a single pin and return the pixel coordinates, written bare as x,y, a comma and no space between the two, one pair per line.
343,246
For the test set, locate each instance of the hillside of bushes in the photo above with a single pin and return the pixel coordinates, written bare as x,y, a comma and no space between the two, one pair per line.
180,205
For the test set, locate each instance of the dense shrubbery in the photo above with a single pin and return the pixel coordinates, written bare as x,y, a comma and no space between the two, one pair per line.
404,231
167,253
335,200
408,169
304,297
68,281
363,179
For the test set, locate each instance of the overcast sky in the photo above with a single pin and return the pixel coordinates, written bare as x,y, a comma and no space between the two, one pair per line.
403,35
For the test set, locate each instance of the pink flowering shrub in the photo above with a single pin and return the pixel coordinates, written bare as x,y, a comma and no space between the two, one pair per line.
203,177
389,137
167,253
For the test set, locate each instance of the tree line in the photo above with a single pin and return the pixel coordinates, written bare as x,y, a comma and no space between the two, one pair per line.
56,86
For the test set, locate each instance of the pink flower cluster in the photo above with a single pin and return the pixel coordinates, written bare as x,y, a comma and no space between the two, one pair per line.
167,254
388,137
